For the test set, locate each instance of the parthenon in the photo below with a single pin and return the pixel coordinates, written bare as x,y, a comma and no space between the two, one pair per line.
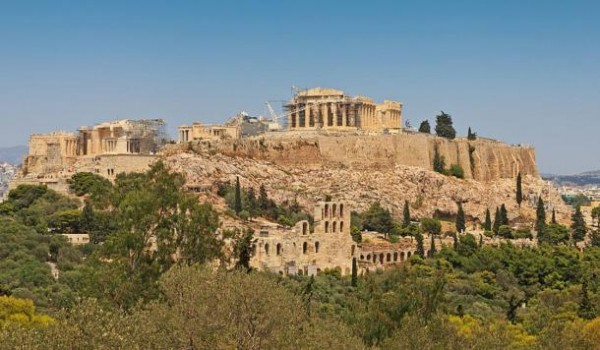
320,108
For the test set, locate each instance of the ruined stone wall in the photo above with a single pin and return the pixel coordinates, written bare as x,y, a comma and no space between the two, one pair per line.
482,160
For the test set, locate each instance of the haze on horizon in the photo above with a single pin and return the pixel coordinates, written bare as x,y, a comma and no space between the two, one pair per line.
521,73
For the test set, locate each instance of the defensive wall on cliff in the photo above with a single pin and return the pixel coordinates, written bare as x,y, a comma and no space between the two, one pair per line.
481,159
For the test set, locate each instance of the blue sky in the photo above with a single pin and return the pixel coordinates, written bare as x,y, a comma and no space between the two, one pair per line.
521,71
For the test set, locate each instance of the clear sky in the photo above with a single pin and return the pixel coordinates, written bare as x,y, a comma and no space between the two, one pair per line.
520,71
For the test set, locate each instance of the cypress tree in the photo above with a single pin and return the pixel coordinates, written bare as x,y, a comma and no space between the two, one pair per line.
586,308
460,219
455,241
471,135
432,249
354,273
480,241
540,222
503,214
238,196
519,190
497,221
406,215
488,220
420,247
578,225
553,216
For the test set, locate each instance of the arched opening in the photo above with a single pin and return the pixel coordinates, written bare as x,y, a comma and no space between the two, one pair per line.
341,226
374,258
362,257
278,248
304,247
388,258
333,210
316,247
368,256
401,256
267,248
381,258
326,210
341,210
408,255
334,227
304,228
395,256
326,226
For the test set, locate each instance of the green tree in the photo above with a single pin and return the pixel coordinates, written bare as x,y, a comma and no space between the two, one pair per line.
471,135
406,215
443,126
457,171
553,220
586,307
377,218
432,249
252,203
420,246
238,196
467,245
425,127
540,221
460,219
431,225
354,281
505,231
595,238
243,249
487,225
578,225
356,234
596,216
497,221
519,190
503,215
439,164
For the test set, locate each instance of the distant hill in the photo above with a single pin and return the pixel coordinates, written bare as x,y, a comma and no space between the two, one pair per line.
583,179
13,155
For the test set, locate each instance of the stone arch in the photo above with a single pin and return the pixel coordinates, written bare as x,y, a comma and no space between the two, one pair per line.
316,247
341,210
408,255
304,228
278,248
368,256
401,256
333,209
362,257
334,227
304,247
395,256
326,210
267,248
374,258
388,258
381,257
341,226
326,226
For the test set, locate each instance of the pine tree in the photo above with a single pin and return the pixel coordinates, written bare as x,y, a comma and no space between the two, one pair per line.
354,282
460,219
238,196
519,190
487,225
425,127
595,238
503,215
586,308
553,216
420,247
432,249
497,221
443,126
578,225
406,215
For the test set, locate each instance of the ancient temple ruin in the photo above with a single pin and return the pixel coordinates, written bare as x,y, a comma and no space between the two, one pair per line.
332,109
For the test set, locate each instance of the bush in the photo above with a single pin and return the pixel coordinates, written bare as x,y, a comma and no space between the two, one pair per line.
457,171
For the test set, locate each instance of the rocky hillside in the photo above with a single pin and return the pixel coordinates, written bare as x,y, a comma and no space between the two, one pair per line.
426,191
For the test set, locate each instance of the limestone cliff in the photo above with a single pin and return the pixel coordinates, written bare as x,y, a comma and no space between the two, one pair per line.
296,177
482,160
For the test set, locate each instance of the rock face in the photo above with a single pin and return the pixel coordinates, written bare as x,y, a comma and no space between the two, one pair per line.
482,159
287,177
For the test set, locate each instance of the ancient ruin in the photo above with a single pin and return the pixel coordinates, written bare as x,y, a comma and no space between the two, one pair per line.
332,109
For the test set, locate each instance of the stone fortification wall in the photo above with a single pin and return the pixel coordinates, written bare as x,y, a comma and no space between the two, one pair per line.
482,160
